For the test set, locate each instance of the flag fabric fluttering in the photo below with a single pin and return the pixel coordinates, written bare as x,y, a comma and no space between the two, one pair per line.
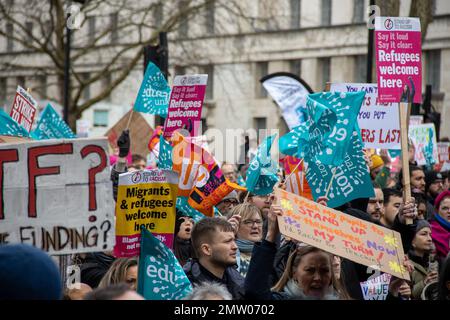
165,154
154,93
51,126
262,171
160,276
10,127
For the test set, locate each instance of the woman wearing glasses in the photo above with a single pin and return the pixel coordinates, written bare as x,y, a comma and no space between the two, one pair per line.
247,222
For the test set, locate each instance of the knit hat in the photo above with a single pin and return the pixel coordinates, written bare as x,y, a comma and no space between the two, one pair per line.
431,177
28,273
420,224
440,197
376,161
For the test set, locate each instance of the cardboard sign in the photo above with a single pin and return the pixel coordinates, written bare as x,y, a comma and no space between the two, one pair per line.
145,198
399,59
423,137
443,148
57,195
379,123
376,288
186,102
341,234
414,120
24,108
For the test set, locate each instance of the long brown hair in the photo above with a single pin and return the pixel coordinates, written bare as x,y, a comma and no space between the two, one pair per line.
117,273
293,262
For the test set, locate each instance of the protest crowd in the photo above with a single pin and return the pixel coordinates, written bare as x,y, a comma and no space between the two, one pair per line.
332,219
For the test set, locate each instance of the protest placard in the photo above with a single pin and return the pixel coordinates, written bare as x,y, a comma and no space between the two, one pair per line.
398,59
423,137
376,288
24,108
145,198
341,234
38,181
443,151
414,120
379,123
186,102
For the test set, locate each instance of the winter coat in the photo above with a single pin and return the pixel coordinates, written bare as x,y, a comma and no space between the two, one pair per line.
419,274
440,233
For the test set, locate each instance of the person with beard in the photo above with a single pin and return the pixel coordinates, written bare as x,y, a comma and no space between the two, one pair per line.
247,222
434,185
421,247
375,206
182,246
393,199
215,256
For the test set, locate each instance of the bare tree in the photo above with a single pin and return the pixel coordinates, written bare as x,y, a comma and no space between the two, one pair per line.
108,44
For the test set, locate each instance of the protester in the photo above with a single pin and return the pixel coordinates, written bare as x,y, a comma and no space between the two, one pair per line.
182,246
444,280
380,168
229,171
209,291
120,166
119,291
28,273
138,162
421,203
247,222
375,207
418,254
93,266
123,270
440,226
77,291
417,179
215,251
227,203
433,187
393,199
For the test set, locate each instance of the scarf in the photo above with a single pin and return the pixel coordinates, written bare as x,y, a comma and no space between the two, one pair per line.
442,221
245,246
292,290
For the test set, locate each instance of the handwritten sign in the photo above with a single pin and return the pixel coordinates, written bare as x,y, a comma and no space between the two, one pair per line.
398,58
24,108
341,234
379,123
376,288
145,198
414,120
423,137
443,148
57,195
186,102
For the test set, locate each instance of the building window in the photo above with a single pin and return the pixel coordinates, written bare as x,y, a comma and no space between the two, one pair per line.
114,26
209,70
326,12
42,86
210,16
433,69
183,28
295,67
260,125
3,90
358,11
9,40
101,118
295,14
87,90
91,26
21,81
360,70
261,71
158,15
324,70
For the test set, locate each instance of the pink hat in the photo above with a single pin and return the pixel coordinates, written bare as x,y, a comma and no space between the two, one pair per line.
440,197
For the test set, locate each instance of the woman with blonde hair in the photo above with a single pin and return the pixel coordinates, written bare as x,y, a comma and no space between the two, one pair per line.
123,270
247,222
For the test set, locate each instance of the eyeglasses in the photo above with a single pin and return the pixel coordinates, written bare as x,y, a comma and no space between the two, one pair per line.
250,223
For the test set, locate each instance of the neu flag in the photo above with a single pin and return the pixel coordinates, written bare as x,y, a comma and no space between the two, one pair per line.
154,93
10,127
262,172
165,154
160,276
52,126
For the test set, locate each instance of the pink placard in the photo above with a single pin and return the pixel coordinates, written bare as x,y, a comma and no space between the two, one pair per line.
398,58
185,106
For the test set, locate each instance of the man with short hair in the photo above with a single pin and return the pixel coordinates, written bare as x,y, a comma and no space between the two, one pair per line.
229,171
375,207
215,251
417,178
434,185
393,199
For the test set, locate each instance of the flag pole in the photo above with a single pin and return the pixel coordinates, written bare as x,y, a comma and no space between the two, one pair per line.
331,182
292,172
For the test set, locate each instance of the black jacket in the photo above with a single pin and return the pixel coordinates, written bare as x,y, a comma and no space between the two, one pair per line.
94,267
232,279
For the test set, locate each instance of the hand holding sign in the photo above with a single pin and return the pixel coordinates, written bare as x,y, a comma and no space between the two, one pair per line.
272,217
408,210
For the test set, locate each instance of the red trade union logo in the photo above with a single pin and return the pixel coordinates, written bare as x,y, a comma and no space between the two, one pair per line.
388,24
136,177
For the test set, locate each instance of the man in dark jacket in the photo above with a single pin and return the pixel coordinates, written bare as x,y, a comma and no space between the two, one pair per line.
215,249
